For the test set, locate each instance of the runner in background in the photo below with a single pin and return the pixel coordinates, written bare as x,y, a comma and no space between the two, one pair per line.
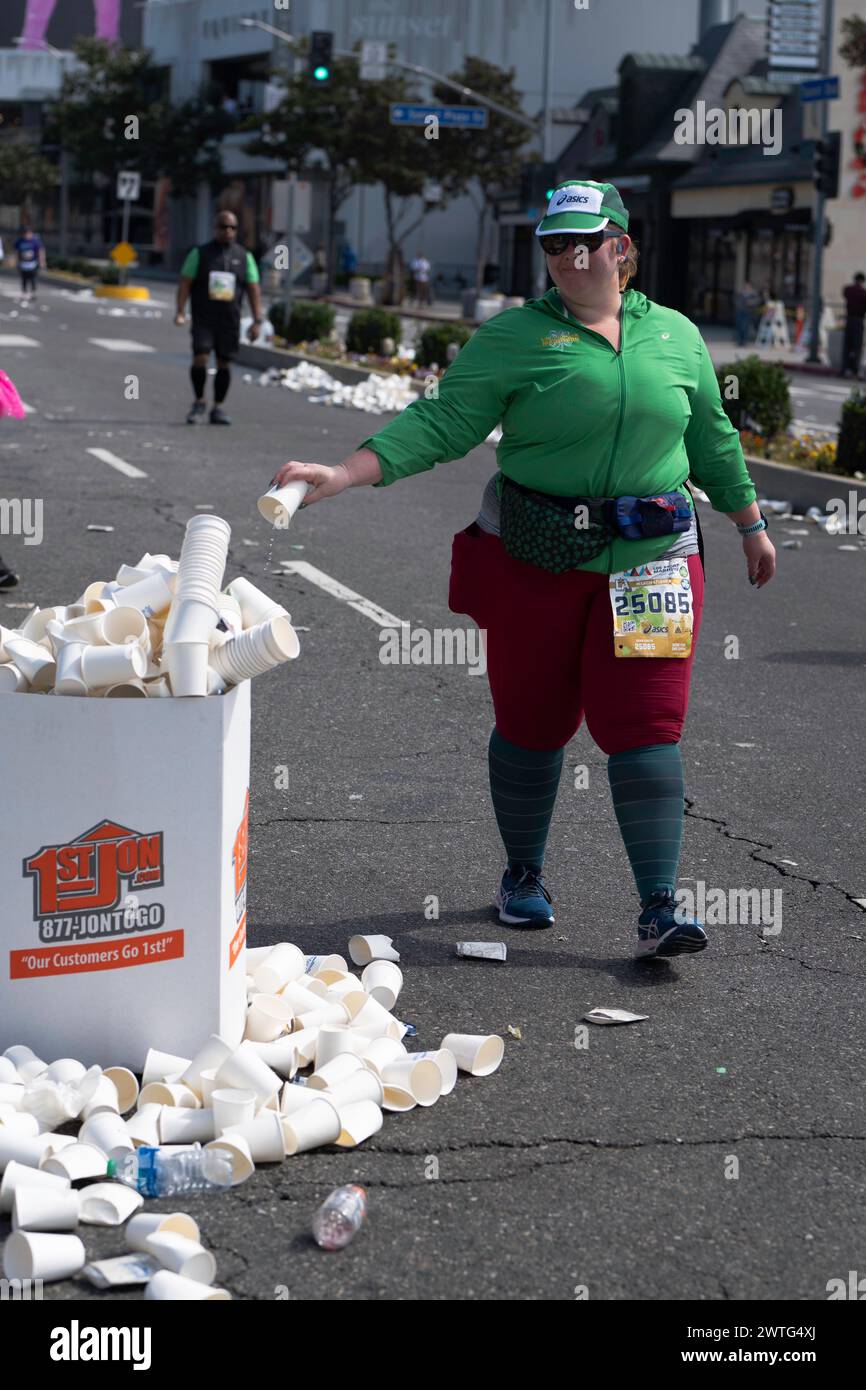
420,271
31,258
214,278
855,305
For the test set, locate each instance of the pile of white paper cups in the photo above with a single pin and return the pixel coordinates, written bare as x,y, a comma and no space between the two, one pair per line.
162,627
305,1014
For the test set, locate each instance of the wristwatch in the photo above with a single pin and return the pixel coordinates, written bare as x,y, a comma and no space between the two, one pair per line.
754,528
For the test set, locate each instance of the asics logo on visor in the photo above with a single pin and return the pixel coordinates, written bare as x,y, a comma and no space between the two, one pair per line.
571,198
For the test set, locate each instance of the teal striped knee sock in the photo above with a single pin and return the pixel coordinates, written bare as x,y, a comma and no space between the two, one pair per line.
649,800
523,785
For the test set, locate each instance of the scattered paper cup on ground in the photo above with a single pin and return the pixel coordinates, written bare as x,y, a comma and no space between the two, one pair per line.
148,1223
160,1065
364,949
76,1162
43,1209
311,1127
358,1121
143,1126
339,1067
447,1064
108,1203
361,1085
263,1135
421,1079
268,1017
127,1086
183,1125
245,1070
281,965
168,1285
478,1054
182,1256
380,1051
383,980
232,1108
21,1175
210,1056
34,1255
236,1146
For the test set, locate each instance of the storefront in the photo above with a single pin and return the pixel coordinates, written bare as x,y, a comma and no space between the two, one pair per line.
773,253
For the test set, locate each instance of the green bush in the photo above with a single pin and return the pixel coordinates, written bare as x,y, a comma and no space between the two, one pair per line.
851,449
434,341
308,321
367,328
75,265
110,275
762,402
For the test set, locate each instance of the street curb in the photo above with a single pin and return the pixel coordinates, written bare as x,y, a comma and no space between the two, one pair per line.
802,487
252,356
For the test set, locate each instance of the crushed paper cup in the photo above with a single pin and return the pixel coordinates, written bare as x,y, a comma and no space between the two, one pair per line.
383,980
380,1051
279,504
25,1061
282,964
148,1223
76,1162
122,1271
254,606
232,1109
169,1093
421,1079
165,1284
179,1125
364,949
35,1255
358,1122
476,1053
268,1017
158,1066
126,1086
35,663
482,950
334,1071
182,1256
108,1203
613,1016
211,1055
360,1085
447,1064
44,1209
143,1126
311,1127
236,1146
86,629
245,1070
66,1070
263,1135
21,1175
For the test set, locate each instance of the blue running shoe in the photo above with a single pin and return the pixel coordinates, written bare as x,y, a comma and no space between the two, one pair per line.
663,931
522,899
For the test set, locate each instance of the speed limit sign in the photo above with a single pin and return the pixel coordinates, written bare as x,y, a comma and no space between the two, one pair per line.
128,185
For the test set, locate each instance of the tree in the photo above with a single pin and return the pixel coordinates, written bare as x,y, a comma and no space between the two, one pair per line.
24,174
481,163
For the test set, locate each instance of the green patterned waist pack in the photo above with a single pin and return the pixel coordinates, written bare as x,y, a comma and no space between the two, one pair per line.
554,533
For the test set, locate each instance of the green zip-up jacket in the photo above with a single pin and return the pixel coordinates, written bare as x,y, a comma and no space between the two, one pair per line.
578,418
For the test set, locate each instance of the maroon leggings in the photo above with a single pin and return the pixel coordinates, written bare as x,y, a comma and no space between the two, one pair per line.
550,657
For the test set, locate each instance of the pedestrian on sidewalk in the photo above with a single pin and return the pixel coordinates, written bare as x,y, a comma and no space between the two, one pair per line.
746,304
31,258
608,404
855,307
419,269
214,278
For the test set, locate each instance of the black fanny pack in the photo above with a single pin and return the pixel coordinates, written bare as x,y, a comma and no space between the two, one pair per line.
563,533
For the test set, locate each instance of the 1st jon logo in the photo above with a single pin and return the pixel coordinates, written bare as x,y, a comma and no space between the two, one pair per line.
88,886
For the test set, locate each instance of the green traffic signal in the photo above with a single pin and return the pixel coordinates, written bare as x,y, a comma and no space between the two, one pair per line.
321,74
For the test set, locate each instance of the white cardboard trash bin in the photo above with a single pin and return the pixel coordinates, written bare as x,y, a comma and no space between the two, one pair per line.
123,865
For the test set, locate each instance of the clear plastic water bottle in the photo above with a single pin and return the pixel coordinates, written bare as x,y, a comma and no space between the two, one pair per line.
340,1217
157,1173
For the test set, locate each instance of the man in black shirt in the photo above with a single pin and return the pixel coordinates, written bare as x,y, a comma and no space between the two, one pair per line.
215,277
855,303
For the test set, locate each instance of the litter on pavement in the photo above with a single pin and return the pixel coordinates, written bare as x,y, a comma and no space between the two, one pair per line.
613,1016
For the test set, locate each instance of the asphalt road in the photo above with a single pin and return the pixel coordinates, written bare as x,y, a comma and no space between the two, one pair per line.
602,1166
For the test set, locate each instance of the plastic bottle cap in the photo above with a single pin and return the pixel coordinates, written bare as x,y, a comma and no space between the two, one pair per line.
111,1170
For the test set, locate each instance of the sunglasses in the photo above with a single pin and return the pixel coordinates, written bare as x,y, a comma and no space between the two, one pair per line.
561,241
227,226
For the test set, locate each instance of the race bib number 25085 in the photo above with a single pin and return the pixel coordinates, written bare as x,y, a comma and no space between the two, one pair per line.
653,612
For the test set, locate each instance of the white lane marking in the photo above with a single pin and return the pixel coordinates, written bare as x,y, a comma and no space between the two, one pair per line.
28,409
371,610
105,456
17,340
120,345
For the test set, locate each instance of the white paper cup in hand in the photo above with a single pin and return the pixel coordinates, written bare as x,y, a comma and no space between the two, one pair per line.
148,1223
182,1256
279,503
165,1284
363,949
36,1255
232,1108
311,1127
479,1054
41,1209
383,980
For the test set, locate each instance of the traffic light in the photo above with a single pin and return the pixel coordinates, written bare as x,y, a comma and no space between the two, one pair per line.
537,182
825,164
321,53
